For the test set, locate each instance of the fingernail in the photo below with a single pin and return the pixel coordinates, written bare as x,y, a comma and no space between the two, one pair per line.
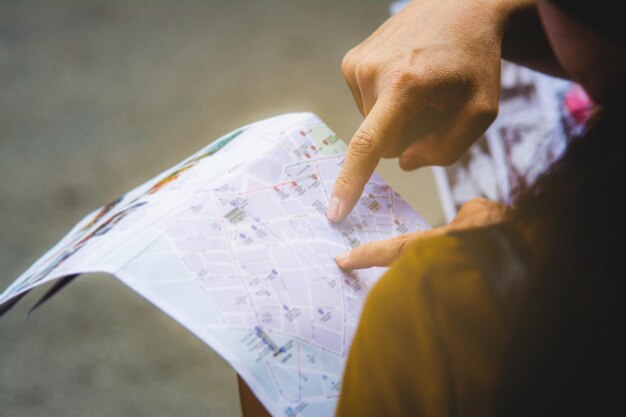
342,257
333,209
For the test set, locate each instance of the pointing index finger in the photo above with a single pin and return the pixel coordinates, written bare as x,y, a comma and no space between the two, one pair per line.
380,127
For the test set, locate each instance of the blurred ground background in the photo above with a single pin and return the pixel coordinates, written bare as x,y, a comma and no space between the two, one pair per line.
98,96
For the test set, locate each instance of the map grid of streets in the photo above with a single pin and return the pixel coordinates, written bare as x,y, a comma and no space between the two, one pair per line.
234,244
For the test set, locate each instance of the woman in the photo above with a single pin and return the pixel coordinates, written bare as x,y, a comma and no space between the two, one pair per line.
506,311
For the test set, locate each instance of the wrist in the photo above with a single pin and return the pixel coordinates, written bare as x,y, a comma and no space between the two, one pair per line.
523,37
504,9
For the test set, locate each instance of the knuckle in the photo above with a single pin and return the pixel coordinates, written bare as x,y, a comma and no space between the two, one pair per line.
363,72
347,63
364,254
364,142
479,201
404,88
485,113
400,78
479,212
369,251
475,203
344,182
397,246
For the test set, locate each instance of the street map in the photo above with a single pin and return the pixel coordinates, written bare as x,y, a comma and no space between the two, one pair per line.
234,244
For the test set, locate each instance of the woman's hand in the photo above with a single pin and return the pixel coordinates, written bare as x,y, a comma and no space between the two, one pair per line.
427,82
474,214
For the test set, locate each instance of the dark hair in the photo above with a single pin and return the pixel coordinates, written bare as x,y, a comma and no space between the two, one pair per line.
566,351
604,16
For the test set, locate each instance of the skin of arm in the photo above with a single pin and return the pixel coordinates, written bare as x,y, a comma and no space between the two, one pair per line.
525,41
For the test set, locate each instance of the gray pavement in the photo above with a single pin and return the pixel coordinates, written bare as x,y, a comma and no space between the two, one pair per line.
98,96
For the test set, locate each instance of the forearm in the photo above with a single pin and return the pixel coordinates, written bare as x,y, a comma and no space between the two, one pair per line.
524,40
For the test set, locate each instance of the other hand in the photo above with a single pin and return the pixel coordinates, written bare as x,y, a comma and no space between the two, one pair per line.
474,214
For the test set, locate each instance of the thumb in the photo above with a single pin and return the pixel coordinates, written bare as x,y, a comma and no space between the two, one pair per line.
384,252
379,253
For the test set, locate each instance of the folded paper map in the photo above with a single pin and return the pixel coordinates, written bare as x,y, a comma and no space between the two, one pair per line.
234,244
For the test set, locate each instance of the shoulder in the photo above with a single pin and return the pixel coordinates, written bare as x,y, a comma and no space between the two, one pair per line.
396,365
460,270
431,335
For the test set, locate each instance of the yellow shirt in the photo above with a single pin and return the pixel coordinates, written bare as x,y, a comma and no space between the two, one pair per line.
430,340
